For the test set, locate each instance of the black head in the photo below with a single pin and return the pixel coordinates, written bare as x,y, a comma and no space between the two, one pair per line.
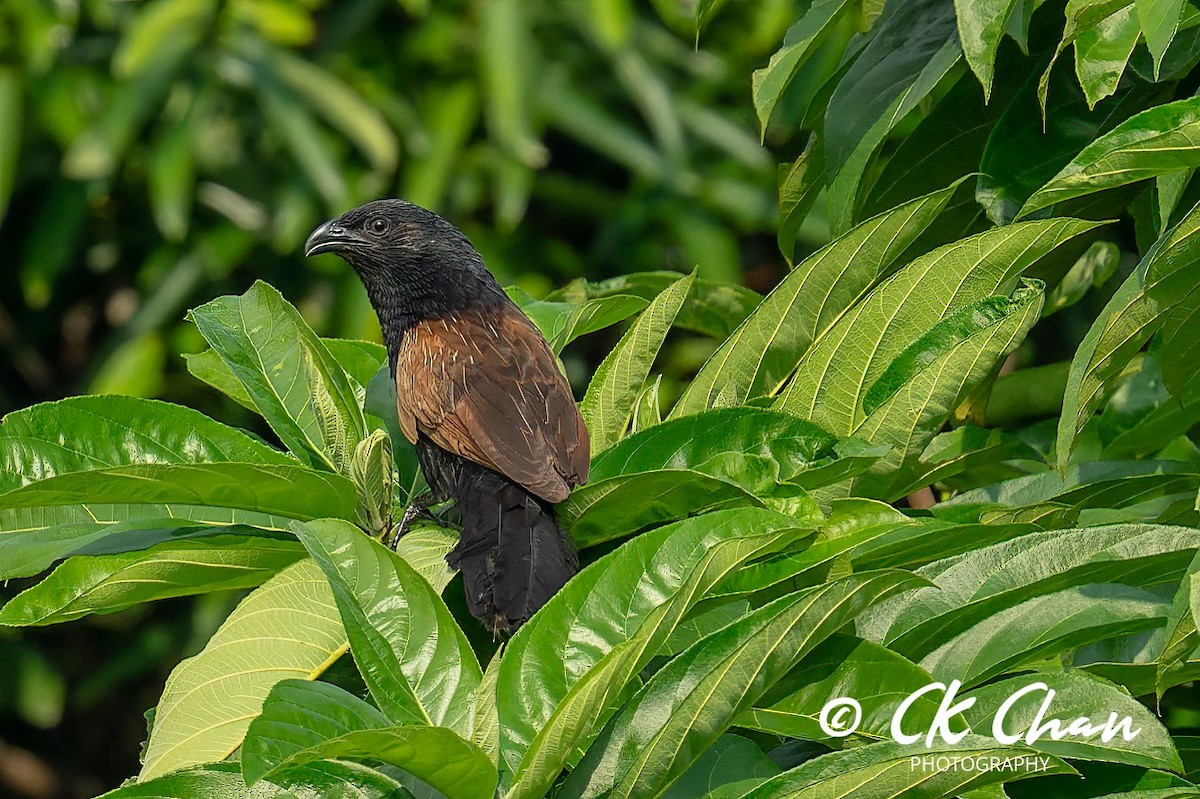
414,264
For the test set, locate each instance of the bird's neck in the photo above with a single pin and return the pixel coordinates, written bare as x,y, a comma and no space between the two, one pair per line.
404,298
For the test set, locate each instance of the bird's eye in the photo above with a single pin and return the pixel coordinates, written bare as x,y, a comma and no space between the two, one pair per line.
378,226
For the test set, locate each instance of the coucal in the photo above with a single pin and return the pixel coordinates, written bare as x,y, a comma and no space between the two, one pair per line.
479,395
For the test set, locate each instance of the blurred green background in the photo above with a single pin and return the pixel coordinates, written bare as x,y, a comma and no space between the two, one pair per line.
155,155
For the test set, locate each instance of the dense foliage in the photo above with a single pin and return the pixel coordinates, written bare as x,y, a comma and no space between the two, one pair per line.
953,444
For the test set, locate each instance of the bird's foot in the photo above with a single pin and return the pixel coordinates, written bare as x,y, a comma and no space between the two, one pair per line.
418,509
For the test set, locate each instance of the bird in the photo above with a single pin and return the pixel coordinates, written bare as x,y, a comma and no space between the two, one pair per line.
480,396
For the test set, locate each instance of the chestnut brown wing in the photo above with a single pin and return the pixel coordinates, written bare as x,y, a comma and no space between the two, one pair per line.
487,388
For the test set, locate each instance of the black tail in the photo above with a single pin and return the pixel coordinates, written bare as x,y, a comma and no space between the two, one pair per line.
512,555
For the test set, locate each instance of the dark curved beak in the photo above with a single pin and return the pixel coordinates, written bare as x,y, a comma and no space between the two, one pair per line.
330,237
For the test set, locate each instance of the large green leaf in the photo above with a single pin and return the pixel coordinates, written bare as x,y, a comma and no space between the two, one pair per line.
1155,142
711,308
844,666
1162,282
981,26
803,39
360,359
692,700
976,585
10,138
908,53
1103,50
1076,695
608,404
753,447
306,722
336,779
288,627
34,538
218,780
832,379
1042,628
764,350
292,491
289,374
412,654
919,390
1159,20
732,759
887,770
1022,153
95,432
297,715
562,672
108,583
435,755
619,506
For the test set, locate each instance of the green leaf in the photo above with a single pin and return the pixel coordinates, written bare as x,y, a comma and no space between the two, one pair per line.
619,506
843,666
1159,20
563,322
298,387
831,381
336,779
360,359
1155,142
803,39
608,404
208,368
10,136
158,26
290,491
711,308
919,390
97,152
1102,51
1022,153
1183,638
108,583
886,770
1043,627
412,654
563,671
373,472
978,584
306,722
692,700
171,178
1076,695
752,447
1162,282
216,780
647,408
97,432
946,144
298,715
435,755
287,628
909,52
800,183
342,107
485,730
425,547
731,759
301,135
969,456
509,59
764,350
981,26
